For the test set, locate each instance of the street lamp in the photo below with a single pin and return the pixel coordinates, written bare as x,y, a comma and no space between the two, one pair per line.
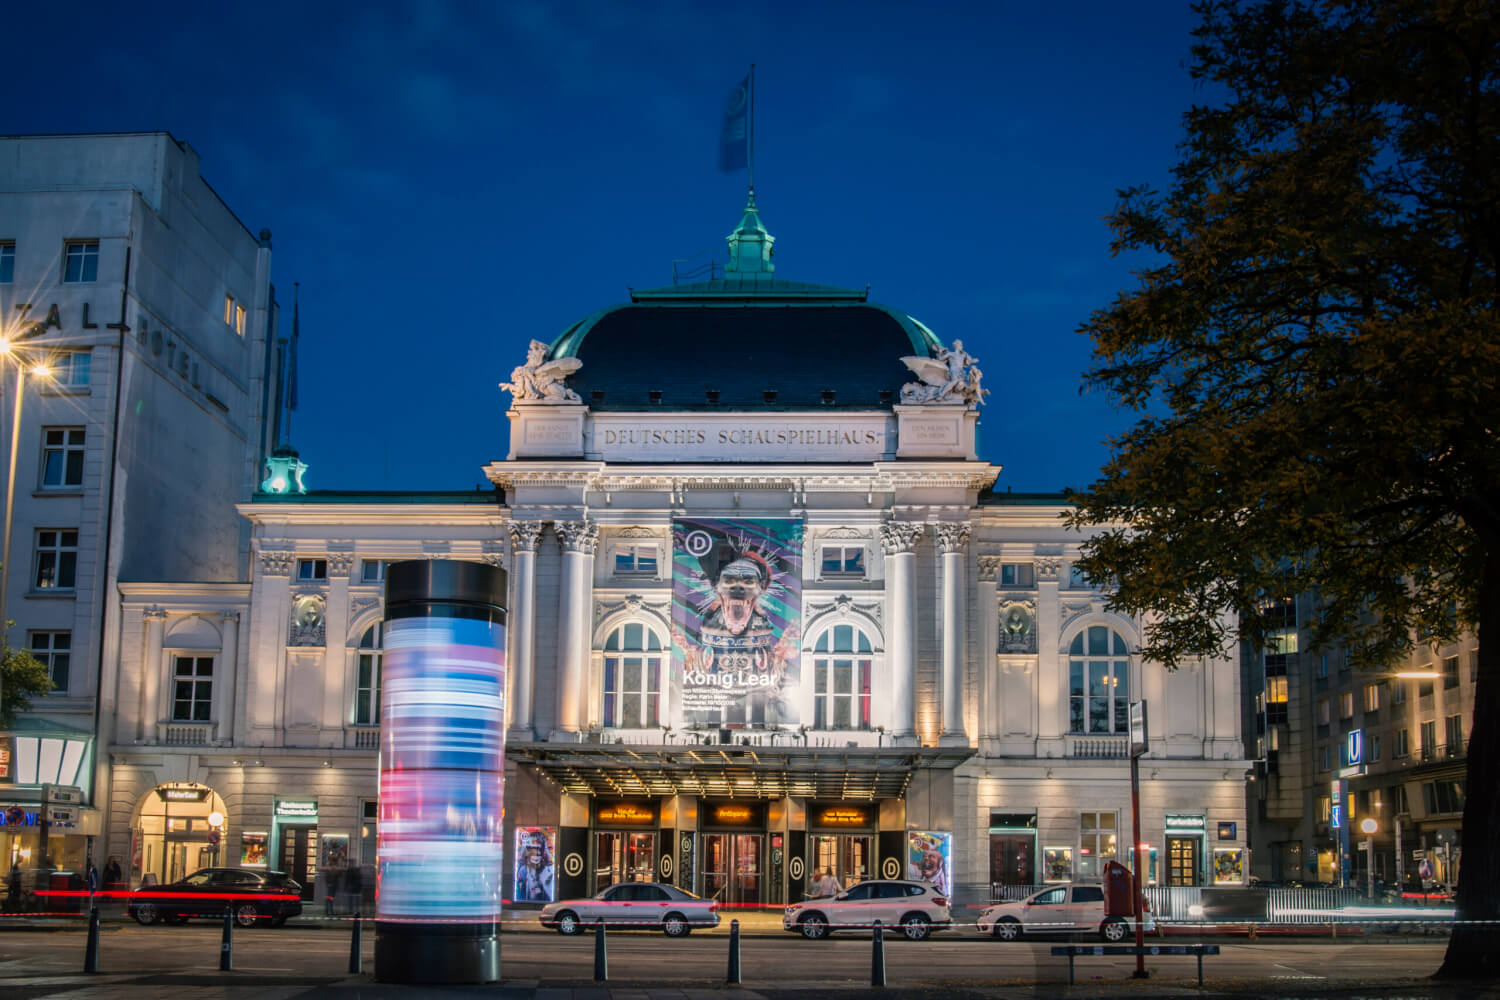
8,350
1368,826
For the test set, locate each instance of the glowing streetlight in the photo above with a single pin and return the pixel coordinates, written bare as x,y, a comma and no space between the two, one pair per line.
1368,826
216,818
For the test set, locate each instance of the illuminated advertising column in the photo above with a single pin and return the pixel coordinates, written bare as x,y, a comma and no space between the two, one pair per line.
440,851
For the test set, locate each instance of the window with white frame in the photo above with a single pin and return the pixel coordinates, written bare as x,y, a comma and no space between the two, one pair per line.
1099,681
81,261
192,688
312,569
1017,574
71,368
1403,743
56,559
843,661
372,570
62,457
1077,579
7,261
1097,842
634,664
367,678
55,651
842,560
635,559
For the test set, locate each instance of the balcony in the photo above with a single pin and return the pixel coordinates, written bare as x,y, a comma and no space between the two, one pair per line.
187,734
1098,747
1441,752
362,737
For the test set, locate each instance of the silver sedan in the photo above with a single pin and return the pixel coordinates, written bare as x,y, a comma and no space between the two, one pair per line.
634,906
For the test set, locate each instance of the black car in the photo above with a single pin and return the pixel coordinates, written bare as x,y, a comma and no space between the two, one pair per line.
253,897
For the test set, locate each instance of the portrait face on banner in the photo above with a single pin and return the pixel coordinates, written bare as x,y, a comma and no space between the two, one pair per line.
929,859
736,609
536,876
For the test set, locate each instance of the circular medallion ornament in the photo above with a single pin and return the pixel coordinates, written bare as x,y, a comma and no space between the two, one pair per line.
697,543
891,868
573,865
795,869
666,866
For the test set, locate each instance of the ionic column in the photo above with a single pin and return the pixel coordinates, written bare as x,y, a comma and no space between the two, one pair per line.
579,541
524,539
898,539
229,653
952,540
156,619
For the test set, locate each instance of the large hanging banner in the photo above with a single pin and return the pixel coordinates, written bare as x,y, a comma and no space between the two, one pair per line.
736,614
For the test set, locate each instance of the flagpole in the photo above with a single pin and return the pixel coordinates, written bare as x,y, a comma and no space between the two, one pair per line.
750,135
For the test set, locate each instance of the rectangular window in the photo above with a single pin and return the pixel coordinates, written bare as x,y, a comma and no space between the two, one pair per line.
81,261
632,690
841,693
62,457
1283,642
1398,798
312,569
1323,712
1429,738
372,570
635,560
1325,759
54,650
1323,665
1097,842
370,811
1424,687
1346,705
1398,692
1325,808
1371,697
1077,579
228,310
192,688
1453,733
1450,673
71,368
367,688
843,560
1374,749
239,320
56,559
1403,743
1017,575
7,262
1444,796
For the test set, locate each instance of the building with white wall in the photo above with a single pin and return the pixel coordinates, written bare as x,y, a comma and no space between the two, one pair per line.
152,308
769,616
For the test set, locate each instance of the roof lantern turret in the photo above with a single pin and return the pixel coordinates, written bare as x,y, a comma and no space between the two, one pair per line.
750,246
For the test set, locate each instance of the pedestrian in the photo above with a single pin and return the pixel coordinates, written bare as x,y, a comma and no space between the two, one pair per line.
827,885
93,878
113,876
353,888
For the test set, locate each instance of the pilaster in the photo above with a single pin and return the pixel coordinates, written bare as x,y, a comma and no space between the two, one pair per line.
953,539
898,540
580,540
525,537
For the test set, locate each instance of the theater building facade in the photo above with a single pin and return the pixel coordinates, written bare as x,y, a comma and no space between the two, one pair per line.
771,619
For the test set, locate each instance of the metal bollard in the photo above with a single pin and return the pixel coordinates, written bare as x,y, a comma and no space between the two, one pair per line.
356,955
226,947
733,979
91,950
601,953
877,956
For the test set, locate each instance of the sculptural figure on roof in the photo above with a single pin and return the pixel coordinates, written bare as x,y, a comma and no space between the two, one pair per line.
950,378
540,380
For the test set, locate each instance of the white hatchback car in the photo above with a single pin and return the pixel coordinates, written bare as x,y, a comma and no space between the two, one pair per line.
634,906
917,908
1058,909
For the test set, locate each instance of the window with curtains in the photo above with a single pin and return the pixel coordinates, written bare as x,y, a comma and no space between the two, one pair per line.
367,678
1099,682
635,660
843,661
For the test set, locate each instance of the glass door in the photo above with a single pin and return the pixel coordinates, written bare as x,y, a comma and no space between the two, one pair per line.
299,855
608,859
1182,861
640,857
732,868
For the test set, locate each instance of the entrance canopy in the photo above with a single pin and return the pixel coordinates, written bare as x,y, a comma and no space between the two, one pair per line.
752,772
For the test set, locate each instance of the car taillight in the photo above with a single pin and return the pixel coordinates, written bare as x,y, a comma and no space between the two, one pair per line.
940,901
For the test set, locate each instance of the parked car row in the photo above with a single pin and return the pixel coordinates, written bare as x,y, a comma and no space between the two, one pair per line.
253,897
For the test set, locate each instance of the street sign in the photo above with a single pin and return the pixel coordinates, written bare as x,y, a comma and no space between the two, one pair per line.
1137,728
1354,748
1335,816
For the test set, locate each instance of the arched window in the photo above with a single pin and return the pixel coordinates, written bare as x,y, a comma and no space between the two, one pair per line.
842,661
367,679
634,662
1099,681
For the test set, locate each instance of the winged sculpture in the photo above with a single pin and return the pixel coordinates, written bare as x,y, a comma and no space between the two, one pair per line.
951,377
540,380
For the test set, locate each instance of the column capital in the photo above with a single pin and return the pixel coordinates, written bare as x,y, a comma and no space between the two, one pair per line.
989,568
525,536
897,537
1048,567
578,536
155,613
340,563
229,617
952,536
277,563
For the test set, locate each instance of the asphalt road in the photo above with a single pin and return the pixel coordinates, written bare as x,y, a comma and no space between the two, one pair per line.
288,961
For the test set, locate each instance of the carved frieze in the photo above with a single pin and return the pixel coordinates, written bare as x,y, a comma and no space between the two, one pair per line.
636,531
1017,626
899,536
634,604
843,606
845,532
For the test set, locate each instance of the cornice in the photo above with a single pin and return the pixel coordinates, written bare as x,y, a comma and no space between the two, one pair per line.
370,514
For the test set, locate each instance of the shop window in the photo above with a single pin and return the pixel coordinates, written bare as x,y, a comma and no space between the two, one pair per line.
369,818
1099,681
1057,864
192,688
367,678
634,659
1096,842
843,661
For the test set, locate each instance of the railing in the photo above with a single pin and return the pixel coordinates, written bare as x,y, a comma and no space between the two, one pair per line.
1291,906
362,737
1174,902
1448,751
1098,747
187,734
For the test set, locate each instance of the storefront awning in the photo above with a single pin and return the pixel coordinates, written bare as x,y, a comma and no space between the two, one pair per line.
751,772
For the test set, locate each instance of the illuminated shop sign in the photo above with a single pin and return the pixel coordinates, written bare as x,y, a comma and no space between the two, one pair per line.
842,815
733,814
182,794
1180,823
297,809
5,759
625,813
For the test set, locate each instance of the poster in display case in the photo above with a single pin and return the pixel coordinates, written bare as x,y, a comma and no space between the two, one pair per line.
536,848
929,858
252,850
1057,864
1229,866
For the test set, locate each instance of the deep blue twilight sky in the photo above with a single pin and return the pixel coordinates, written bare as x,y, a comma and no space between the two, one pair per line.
450,180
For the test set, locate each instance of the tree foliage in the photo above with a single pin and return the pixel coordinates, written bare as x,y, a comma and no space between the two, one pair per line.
1313,350
22,677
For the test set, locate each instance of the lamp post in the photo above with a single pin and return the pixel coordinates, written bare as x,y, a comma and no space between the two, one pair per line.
1368,826
8,350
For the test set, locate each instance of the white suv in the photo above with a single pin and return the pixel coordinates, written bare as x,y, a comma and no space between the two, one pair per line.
1057,909
915,907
